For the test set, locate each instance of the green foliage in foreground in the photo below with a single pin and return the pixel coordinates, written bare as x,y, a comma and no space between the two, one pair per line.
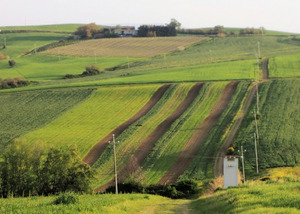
279,130
26,111
29,170
284,66
279,196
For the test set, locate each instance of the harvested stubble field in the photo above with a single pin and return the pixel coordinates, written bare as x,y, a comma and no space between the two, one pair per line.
126,47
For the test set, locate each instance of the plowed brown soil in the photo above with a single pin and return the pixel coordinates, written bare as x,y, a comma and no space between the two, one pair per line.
218,167
194,144
148,143
97,150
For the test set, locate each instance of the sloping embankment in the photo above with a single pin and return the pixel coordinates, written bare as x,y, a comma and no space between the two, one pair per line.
98,149
194,144
148,143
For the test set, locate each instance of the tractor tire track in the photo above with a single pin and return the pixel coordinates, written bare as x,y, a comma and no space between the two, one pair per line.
148,143
98,149
218,167
194,144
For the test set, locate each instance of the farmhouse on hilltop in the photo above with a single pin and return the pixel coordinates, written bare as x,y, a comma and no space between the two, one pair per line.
122,30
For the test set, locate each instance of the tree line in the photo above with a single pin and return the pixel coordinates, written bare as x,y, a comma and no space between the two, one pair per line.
30,170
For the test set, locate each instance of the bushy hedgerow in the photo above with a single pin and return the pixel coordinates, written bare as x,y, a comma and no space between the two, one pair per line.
13,83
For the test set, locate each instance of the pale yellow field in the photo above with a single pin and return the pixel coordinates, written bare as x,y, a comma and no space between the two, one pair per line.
126,47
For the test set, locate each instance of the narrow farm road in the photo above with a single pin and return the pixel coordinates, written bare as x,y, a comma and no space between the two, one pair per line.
148,143
265,70
98,149
193,145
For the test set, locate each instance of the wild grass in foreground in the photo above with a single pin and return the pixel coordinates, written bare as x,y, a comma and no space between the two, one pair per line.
107,203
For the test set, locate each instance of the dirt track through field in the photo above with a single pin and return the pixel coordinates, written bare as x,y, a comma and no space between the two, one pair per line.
98,149
265,70
148,143
194,144
218,167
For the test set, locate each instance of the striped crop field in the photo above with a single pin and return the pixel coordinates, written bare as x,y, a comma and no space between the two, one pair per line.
126,47
131,138
284,66
26,111
89,122
168,148
278,126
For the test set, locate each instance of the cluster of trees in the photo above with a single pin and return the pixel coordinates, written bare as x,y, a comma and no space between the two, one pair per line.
92,31
252,31
153,30
13,83
221,32
28,170
89,71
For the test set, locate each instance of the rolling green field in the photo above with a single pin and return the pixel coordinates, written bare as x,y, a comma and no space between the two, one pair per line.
278,126
284,66
19,43
49,67
89,122
27,111
69,28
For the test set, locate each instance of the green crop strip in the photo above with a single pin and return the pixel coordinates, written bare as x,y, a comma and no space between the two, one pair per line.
89,122
133,136
284,66
27,111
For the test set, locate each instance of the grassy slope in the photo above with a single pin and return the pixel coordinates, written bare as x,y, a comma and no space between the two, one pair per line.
278,127
57,28
171,144
203,163
131,138
27,111
279,195
89,122
18,43
49,67
284,66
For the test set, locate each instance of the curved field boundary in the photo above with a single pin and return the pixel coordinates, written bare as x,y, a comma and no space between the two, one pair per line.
148,143
97,149
192,147
218,167
265,70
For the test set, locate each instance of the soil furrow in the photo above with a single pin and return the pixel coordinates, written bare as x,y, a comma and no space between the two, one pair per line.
265,70
218,167
148,143
194,144
98,149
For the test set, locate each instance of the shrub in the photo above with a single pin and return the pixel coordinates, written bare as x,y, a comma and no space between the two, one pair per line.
12,63
66,198
2,56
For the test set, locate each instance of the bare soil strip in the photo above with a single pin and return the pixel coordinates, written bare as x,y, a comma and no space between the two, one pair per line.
218,167
148,143
194,144
265,69
98,149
